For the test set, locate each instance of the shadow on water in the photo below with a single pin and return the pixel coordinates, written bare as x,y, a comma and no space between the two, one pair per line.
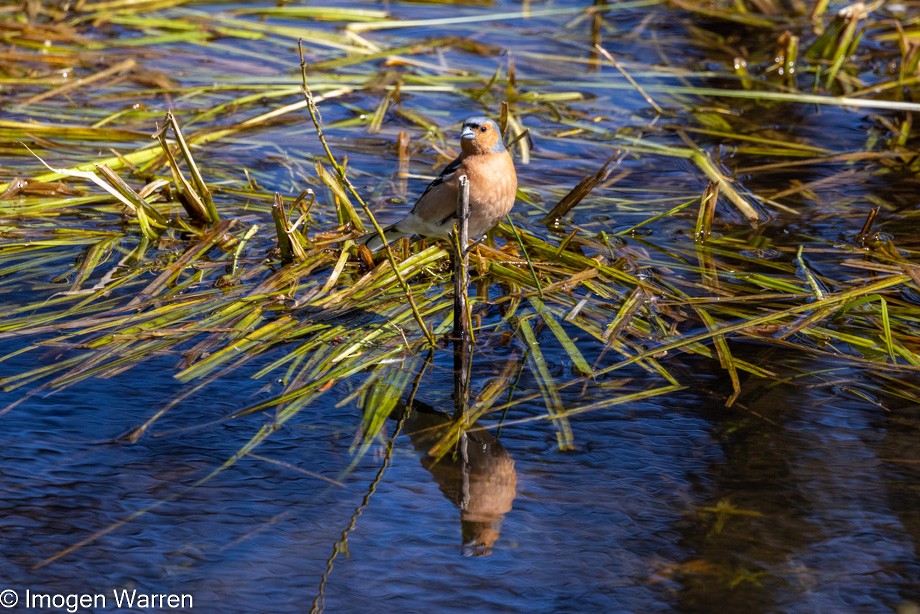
810,506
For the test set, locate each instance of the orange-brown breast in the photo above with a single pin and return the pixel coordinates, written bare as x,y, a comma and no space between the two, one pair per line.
493,185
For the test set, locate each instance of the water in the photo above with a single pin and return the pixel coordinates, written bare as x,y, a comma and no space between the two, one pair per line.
800,498
822,508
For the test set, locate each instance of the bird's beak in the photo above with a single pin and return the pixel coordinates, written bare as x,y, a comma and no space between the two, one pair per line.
468,133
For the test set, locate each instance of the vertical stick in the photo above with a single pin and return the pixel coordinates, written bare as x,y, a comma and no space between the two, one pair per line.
462,344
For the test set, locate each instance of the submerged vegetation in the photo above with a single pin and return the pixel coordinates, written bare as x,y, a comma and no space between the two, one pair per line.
225,240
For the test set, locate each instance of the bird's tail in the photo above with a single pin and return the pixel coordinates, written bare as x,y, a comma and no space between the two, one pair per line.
373,241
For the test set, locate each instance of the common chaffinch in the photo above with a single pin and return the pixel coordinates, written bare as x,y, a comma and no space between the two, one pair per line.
493,185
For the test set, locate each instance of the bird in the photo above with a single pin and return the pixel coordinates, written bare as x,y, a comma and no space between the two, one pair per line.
493,186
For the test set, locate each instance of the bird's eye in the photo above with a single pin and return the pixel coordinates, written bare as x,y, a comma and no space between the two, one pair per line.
483,128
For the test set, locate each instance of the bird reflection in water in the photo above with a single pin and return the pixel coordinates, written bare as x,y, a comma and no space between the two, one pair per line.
478,476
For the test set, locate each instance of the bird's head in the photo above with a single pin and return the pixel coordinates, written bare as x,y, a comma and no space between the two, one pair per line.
481,135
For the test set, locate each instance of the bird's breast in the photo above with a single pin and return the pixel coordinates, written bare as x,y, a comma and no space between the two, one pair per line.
493,185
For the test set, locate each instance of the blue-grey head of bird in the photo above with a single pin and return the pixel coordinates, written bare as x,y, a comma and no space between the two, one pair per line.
481,135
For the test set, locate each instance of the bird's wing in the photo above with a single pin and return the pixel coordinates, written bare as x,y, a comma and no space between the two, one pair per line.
446,175
437,206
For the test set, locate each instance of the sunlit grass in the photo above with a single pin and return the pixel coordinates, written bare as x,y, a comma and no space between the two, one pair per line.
189,256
